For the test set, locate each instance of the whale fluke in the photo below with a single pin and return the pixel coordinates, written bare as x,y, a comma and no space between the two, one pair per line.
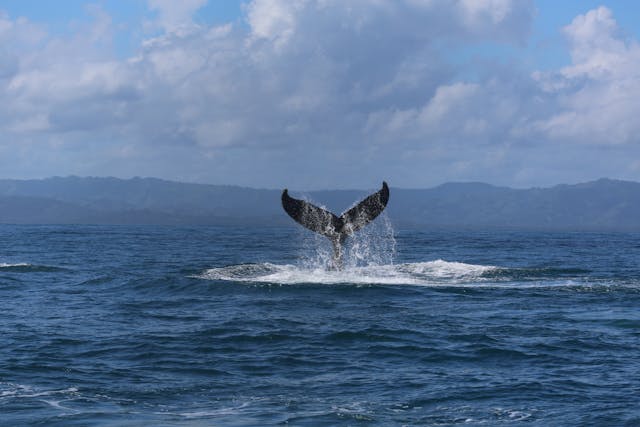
310,216
337,229
365,211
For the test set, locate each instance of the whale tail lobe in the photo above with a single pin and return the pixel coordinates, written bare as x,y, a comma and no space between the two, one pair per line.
336,228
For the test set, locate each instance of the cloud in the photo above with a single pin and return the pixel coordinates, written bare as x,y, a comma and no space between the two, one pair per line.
322,93
596,96
175,16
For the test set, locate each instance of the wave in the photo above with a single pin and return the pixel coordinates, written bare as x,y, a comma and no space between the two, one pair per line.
419,273
23,267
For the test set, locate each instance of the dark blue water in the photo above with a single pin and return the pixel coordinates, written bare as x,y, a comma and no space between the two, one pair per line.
245,327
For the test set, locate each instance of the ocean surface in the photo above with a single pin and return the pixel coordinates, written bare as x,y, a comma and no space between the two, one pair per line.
207,326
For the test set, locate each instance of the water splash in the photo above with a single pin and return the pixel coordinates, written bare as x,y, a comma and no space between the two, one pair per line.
374,245
432,273
368,258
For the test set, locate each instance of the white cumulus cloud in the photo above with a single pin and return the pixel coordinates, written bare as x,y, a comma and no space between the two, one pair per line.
597,93
321,93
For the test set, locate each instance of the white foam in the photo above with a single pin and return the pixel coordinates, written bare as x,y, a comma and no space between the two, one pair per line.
234,410
12,390
207,413
56,404
436,272
19,264
447,270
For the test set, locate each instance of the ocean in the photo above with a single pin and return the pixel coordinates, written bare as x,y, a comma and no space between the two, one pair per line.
215,326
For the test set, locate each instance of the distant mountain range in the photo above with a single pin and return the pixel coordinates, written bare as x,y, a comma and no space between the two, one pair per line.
599,205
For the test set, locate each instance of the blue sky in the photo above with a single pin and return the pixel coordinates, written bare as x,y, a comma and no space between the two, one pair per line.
315,94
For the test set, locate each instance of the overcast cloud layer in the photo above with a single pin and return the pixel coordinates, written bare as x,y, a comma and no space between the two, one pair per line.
321,94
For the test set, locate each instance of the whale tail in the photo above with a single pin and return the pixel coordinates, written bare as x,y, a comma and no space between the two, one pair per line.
336,228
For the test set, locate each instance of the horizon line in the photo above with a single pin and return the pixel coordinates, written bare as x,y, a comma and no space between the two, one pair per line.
174,181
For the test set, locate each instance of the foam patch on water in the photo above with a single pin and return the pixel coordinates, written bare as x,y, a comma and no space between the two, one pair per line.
13,390
9,265
420,273
231,410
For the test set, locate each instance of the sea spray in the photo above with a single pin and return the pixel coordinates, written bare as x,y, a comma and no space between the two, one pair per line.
374,245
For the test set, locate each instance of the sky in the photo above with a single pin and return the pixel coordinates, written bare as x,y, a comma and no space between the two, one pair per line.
321,94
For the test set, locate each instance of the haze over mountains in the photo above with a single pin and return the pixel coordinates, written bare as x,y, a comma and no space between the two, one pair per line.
599,205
